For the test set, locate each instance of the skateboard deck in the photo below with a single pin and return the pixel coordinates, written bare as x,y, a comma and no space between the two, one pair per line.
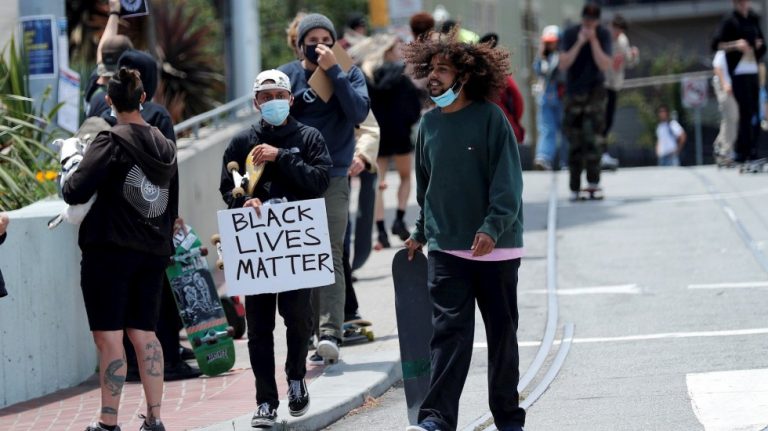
199,305
253,172
414,323
591,194
357,330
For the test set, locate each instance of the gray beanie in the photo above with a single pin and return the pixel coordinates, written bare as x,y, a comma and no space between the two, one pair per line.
312,21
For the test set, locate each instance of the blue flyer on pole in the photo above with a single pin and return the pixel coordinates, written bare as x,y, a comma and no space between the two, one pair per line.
40,44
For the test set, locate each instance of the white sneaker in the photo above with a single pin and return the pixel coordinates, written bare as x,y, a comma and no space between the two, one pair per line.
328,348
542,164
608,162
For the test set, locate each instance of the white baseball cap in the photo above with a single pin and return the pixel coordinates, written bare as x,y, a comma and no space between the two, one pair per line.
280,81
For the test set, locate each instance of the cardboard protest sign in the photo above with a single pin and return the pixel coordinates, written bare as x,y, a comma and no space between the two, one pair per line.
287,248
320,82
131,8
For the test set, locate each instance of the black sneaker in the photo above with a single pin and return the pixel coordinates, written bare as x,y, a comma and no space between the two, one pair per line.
155,426
180,371
298,397
316,359
264,417
400,229
97,427
328,348
186,354
383,240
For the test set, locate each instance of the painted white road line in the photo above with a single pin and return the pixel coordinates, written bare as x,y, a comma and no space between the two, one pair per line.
645,337
621,289
730,400
745,285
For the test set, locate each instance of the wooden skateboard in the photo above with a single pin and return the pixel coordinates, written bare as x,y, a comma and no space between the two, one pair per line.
414,323
590,194
199,305
357,330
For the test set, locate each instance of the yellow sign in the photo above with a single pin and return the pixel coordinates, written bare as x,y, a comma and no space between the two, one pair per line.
379,13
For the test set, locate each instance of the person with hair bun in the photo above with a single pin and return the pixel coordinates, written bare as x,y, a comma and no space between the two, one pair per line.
126,241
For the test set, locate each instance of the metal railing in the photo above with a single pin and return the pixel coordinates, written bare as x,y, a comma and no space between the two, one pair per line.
647,81
215,116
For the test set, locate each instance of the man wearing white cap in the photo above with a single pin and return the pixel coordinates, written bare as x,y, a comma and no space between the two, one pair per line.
296,168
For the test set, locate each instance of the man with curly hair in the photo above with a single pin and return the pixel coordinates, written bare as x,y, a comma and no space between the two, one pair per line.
469,190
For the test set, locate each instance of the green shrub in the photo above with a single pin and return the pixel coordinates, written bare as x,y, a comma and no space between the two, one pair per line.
27,166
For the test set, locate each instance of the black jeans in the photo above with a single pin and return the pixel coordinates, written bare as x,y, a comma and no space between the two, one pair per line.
296,309
746,91
454,286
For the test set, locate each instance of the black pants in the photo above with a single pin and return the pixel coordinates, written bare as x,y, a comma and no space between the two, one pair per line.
296,309
454,286
746,90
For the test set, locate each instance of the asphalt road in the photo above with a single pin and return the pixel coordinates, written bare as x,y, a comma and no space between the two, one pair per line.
665,282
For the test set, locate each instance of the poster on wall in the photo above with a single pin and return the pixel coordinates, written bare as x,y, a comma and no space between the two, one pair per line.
68,117
39,36
131,8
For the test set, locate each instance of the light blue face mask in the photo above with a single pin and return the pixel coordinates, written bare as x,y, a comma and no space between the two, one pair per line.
276,111
447,98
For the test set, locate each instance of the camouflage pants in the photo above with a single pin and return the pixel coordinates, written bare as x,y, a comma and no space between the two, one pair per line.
583,124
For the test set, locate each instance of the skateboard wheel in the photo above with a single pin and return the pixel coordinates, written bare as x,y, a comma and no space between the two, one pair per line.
220,265
369,334
233,166
196,342
203,251
238,192
215,239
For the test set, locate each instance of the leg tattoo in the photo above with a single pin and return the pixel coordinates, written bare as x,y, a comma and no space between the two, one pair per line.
108,411
113,382
154,359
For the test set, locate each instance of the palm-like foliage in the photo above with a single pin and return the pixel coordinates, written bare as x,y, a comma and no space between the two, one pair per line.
26,164
191,77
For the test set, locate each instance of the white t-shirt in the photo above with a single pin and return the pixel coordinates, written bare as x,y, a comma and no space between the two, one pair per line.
719,63
666,137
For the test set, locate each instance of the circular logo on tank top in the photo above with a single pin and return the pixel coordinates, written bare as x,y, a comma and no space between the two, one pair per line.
149,199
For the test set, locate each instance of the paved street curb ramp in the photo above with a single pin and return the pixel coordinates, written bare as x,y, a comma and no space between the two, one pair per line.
341,388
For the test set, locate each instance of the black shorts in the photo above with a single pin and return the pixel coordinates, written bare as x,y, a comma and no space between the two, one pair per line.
121,288
395,148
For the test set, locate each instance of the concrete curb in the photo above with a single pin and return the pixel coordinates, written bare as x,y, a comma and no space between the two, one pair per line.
341,388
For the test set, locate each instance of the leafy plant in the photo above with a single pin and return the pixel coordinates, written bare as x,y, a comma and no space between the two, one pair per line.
27,166
191,77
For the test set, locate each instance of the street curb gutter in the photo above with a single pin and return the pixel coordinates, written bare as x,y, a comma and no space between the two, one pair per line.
341,388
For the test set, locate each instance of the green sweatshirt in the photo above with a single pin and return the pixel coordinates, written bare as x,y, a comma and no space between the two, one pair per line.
468,179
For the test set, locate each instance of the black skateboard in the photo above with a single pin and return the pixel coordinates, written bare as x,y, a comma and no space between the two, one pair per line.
356,331
414,323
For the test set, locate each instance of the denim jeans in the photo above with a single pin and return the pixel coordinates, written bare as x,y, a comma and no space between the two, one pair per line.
548,121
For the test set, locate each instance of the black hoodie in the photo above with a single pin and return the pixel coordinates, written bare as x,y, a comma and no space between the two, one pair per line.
395,102
133,169
735,26
299,172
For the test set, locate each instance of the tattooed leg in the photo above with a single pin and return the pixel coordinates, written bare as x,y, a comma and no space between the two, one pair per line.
112,371
150,356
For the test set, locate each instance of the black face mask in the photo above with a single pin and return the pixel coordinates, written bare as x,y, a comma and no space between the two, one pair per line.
310,54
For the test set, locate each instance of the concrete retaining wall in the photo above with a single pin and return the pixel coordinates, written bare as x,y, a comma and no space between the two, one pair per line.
45,344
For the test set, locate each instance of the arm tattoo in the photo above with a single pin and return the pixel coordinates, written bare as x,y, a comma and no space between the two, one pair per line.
112,381
108,411
154,359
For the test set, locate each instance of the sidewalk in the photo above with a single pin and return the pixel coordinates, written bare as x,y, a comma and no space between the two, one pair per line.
227,402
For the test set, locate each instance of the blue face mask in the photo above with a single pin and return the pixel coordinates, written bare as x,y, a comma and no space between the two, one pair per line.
275,111
446,98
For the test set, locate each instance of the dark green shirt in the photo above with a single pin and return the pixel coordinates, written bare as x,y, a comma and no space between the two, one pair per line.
468,179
